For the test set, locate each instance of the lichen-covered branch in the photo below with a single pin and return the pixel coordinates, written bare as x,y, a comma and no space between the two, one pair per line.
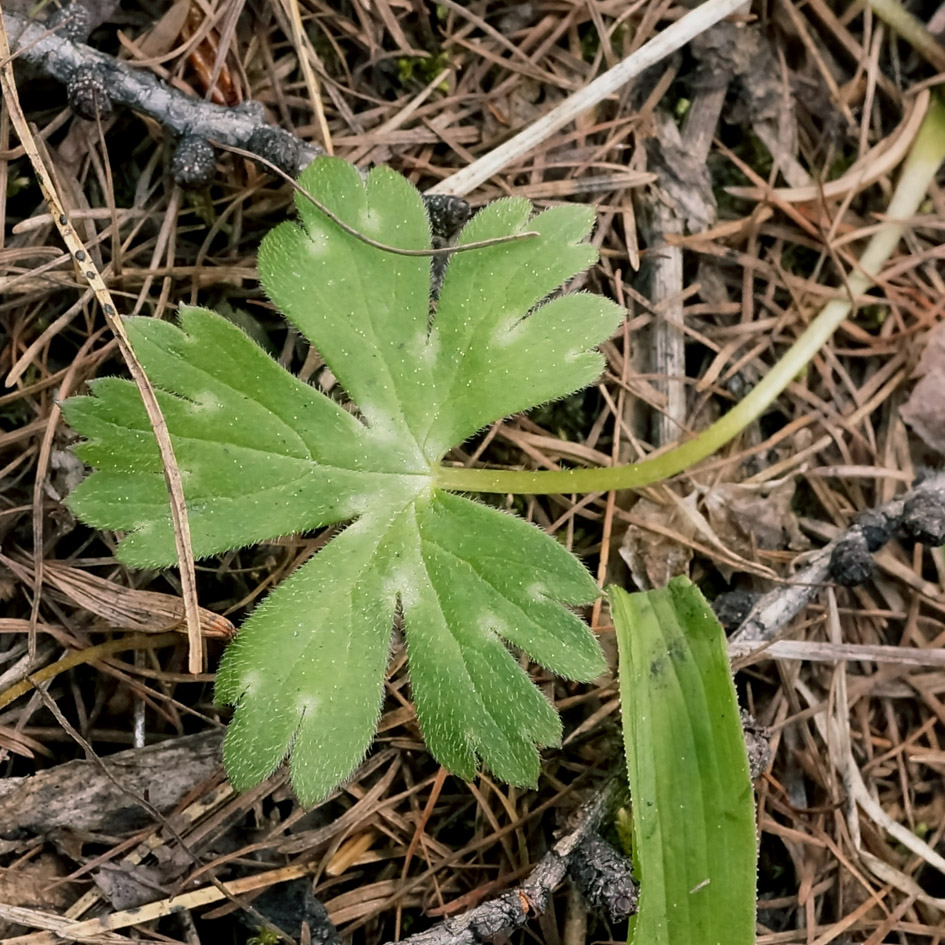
95,79
918,515
96,82
513,908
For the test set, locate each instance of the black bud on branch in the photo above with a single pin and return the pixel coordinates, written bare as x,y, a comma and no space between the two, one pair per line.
923,518
194,162
87,92
875,527
732,607
850,561
73,21
604,876
506,912
278,146
447,214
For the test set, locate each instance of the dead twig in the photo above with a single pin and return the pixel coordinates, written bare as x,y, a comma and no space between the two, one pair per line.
662,45
513,908
70,237
773,612
243,125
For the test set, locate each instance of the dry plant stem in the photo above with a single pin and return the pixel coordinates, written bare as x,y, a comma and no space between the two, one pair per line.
42,470
146,805
877,163
811,651
511,910
918,171
303,45
88,655
664,271
87,267
779,607
89,929
34,918
663,220
662,45
834,730
912,30
138,89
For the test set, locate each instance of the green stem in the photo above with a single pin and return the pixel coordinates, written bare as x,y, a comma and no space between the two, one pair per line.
924,159
911,29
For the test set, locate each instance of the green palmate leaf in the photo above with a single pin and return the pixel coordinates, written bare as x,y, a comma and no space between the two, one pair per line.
693,805
263,454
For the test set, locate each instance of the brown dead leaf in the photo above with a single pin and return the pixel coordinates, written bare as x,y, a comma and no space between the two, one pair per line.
19,743
747,517
147,611
126,886
657,553
924,411
165,32
120,606
34,885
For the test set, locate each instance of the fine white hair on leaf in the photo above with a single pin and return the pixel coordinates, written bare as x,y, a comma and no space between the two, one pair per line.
269,455
317,243
491,626
251,680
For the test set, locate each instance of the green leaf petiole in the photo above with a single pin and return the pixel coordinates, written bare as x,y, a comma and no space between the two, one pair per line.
924,159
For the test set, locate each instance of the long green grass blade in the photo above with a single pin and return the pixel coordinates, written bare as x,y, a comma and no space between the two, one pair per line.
693,806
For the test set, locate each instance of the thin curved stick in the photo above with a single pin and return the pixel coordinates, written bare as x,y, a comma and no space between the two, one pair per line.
351,231
876,163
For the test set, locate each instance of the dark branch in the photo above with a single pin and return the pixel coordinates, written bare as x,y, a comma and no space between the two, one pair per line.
52,50
918,515
513,908
96,82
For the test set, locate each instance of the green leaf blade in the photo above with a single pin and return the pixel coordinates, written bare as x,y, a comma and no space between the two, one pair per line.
465,603
306,670
510,379
515,578
213,364
472,697
263,454
479,335
366,310
693,806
